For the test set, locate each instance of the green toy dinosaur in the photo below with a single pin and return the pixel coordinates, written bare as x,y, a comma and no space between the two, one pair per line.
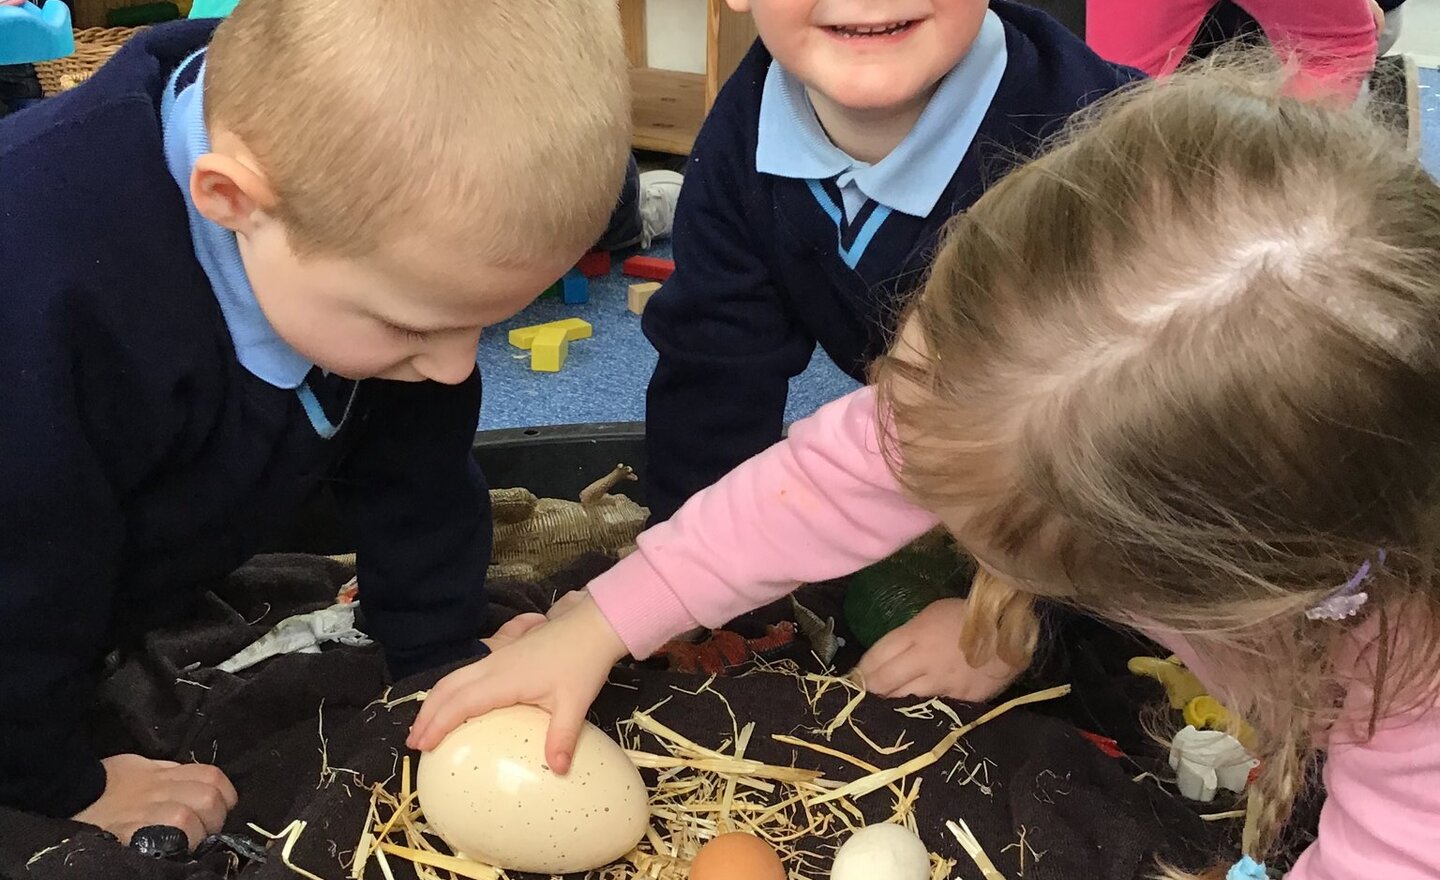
889,593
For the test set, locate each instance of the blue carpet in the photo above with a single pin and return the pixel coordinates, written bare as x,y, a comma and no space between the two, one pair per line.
605,377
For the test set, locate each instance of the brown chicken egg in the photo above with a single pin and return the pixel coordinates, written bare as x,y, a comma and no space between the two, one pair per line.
737,856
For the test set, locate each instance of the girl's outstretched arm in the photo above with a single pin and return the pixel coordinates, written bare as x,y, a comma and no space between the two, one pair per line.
819,505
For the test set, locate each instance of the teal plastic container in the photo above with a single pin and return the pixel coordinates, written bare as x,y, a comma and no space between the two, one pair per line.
212,8
29,33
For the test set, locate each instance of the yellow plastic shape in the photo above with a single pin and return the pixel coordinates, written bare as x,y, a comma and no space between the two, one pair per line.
574,328
1180,684
1206,713
549,350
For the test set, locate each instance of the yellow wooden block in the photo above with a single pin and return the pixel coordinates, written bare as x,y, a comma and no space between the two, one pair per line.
550,348
640,294
574,328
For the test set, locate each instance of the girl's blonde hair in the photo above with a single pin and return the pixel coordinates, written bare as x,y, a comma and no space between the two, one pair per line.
1184,371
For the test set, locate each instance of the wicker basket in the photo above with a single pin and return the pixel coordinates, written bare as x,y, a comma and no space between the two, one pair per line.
93,47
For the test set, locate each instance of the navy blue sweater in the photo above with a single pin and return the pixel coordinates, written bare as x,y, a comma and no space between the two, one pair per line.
140,462
759,280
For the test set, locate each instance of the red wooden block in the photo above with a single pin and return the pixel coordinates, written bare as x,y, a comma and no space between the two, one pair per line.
653,268
594,264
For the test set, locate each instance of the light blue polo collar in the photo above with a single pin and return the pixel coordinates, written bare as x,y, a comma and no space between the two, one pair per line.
792,143
258,347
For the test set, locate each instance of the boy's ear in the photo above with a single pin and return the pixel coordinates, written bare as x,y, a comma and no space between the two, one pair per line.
229,192
741,6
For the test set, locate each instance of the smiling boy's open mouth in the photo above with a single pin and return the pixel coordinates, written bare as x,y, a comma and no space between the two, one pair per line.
871,30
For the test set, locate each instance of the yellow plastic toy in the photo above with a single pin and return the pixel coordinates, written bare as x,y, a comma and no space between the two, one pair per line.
1181,685
575,328
1187,694
549,344
548,352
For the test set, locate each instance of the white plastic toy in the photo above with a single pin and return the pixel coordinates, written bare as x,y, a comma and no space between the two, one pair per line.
1205,761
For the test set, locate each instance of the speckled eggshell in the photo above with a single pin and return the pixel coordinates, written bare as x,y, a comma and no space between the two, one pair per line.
487,791
875,851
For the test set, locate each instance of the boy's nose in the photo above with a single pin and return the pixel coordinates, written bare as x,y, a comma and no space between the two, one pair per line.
449,362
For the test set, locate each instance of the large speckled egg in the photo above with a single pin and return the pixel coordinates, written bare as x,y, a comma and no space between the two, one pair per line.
487,790
737,856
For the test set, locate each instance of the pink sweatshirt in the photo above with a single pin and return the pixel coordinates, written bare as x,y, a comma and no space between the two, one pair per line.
1334,41
824,504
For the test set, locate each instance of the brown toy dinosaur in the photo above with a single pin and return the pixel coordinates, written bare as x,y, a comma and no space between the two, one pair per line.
537,537
722,650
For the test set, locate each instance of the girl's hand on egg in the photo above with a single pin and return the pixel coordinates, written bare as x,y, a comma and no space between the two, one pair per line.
923,659
559,666
513,629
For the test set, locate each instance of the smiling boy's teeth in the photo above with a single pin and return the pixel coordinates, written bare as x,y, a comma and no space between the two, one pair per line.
866,30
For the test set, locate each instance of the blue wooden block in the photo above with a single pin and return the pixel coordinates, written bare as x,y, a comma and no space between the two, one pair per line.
576,288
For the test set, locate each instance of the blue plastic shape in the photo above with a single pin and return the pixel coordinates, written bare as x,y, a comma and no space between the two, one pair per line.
29,33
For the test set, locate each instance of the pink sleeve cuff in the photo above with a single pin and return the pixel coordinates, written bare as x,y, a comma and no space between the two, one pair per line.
639,605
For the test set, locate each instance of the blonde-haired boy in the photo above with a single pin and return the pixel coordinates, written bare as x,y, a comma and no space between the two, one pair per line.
235,268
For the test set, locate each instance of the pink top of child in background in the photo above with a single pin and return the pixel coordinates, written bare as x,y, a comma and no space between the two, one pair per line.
1333,41
825,504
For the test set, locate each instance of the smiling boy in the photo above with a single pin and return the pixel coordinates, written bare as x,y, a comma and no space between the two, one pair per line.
814,198
817,190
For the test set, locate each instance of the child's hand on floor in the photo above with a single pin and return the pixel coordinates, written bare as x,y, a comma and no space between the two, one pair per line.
559,666
195,798
923,659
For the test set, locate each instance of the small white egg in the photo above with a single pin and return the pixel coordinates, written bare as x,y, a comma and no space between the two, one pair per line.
487,791
888,851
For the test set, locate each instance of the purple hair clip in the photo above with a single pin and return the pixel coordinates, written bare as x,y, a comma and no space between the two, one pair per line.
1346,601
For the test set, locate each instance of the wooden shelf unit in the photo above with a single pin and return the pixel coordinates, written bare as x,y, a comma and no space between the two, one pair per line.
668,106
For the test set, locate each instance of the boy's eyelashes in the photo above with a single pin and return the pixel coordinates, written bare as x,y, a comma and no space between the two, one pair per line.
408,332
416,335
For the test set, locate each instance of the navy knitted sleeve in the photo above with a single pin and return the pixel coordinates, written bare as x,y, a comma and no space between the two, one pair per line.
727,342
60,539
420,513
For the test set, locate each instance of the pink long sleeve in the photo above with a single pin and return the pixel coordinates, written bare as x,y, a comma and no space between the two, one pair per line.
1334,41
819,505
1381,816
